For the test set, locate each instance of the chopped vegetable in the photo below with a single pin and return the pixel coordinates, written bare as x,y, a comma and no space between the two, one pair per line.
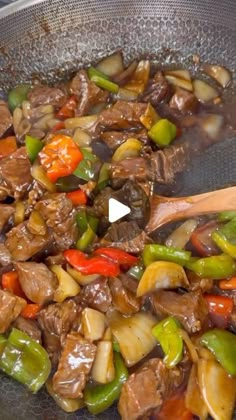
69,405
68,110
92,265
212,124
225,238
156,252
77,197
193,398
85,123
228,284
81,138
93,324
162,275
220,305
219,73
225,216
150,117
17,95
92,71
174,408
136,271
60,125
87,225
30,311
202,241
140,77
163,132
25,360
100,397
33,147
130,148
36,224
39,175
103,370
67,287
203,91
180,78
82,279
180,74
126,95
103,177
86,168
133,334
105,84
111,65
10,282
60,157
222,344
19,215
7,146
117,255
167,333
215,267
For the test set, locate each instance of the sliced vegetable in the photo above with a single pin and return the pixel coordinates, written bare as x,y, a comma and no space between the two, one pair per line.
163,132
36,224
225,216
105,84
225,238
19,215
130,148
77,197
69,405
181,235
86,168
156,252
103,370
117,255
140,77
136,271
162,275
33,147
193,398
219,305
212,124
39,174
168,335
111,65
228,284
67,287
217,389
126,74
17,95
95,72
60,157
93,324
30,311
180,74
10,282
87,225
202,241
68,109
100,397
25,360
177,78
215,267
7,146
222,344
103,177
189,345
133,334
219,73
81,138
85,123
174,408
82,279
126,95
203,91
150,117
93,265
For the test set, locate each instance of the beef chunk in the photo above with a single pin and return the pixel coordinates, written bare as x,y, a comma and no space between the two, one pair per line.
157,90
183,101
10,308
37,281
127,236
59,215
196,282
30,327
74,366
5,118
190,308
22,244
46,95
15,175
96,295
6,211
5,256
55,321
123,299
114,139
158,382
122,115
87,92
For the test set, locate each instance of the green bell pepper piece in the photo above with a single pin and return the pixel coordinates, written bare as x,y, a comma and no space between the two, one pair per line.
116,346
103,178
87,225
167,332
17,95
156,252
94,72
136,271
25,360
105,84
163,132
3,342
215,267
222,344
225,216
33,147
85,169
222,243
99,398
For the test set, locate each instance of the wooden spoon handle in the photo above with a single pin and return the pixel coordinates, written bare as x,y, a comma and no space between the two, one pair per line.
164,209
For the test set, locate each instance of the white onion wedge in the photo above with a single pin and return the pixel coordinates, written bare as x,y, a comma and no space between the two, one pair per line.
81,138
111,65
212,124
103,370
219,73
67,285
126,95
203,91
180,74
193,398
39,174
180,236
93,324
140,77
82,279
176,81
69,405
84,123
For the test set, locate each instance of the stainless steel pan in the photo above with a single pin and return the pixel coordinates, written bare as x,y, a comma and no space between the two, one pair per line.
52,38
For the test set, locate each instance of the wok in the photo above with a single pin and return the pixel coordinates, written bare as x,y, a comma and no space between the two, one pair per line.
52,38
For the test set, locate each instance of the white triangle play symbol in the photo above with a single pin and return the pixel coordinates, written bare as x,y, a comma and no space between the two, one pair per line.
116,210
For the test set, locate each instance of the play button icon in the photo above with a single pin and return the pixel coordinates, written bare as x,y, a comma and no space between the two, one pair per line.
116,210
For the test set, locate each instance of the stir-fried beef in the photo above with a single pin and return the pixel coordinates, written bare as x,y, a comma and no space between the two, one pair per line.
196,282
46,95
87,92
30,327
146,389
23,245
59,215
10,308
123,300
5,256
5,118
190,308
55,321
37,281
96,295
122,115
183,101
114,139
157,90
74,366
15,175
6,211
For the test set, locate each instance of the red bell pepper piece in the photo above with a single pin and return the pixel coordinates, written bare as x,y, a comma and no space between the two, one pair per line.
68,110
92,265
60,157
7,146
10,282
228,284
30,311
117,255
59,126
201,239
220,305
174,408
77,197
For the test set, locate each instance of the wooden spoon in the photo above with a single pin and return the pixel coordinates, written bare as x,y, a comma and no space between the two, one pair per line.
166,209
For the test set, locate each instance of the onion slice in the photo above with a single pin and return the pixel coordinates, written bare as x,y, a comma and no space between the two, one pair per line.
203,91
219,73
177,81
193,398
180,74
180,236
111,65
